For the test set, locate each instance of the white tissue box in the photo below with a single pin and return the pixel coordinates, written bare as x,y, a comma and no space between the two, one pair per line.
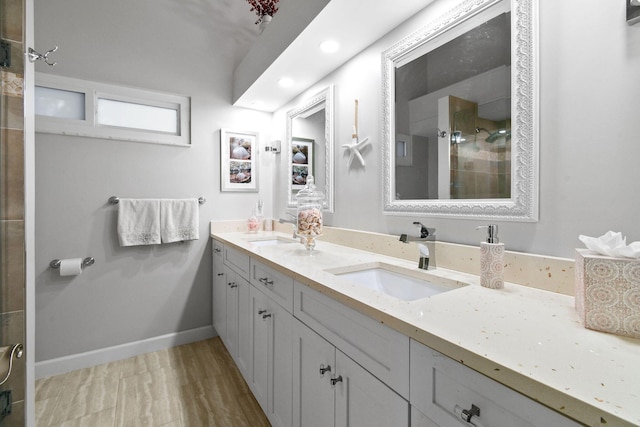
608,293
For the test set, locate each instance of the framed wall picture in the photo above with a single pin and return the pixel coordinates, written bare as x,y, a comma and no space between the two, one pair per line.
301,161
238,164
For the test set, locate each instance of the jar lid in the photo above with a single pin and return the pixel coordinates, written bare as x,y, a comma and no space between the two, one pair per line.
310,191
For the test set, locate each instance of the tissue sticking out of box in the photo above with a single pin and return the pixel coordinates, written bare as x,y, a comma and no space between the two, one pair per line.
612,244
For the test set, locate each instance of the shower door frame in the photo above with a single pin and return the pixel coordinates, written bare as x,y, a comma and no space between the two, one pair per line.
29,190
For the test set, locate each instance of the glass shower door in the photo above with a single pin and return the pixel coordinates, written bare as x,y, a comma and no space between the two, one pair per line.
12,212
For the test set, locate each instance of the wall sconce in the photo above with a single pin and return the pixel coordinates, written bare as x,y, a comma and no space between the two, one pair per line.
273,147
633,11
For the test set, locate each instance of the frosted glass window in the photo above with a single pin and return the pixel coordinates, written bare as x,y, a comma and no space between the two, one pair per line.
137,116
59,103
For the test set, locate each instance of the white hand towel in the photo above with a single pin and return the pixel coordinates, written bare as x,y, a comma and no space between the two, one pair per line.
179,220
139,222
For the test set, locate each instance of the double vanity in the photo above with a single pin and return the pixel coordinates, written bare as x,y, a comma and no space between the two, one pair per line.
354,337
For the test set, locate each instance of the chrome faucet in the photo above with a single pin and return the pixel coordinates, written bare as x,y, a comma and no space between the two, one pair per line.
292,220
427,249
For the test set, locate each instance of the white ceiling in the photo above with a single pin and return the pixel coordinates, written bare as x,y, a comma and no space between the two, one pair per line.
355,24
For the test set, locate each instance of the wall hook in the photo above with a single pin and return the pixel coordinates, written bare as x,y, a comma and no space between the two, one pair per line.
35,56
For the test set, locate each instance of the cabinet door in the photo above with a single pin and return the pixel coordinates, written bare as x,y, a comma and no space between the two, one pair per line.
232,313
313,366
271,376
245,344
219,291
280,370
259,330
363,400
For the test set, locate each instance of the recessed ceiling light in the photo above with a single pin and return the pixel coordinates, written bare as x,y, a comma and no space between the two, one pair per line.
286,82
329,46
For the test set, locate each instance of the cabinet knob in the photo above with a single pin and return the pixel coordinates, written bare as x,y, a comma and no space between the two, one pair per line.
336,380
467,414
264,316
262,311
217,250
324,369
220,274
233,285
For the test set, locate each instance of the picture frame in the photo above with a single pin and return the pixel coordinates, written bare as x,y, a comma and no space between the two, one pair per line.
301,161
238,161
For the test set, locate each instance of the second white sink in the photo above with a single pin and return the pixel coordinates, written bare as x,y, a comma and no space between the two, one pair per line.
270,241
404,284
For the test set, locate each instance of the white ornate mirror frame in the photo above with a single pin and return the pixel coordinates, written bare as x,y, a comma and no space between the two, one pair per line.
523,204
323,99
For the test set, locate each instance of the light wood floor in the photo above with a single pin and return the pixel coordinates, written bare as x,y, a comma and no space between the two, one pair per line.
192,385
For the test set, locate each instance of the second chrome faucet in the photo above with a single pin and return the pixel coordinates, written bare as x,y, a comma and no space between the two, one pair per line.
427,249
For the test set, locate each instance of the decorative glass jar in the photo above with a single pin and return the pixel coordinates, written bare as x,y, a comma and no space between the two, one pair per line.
309,219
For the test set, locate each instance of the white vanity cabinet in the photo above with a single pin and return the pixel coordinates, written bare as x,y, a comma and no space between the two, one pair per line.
330,389
442,388
311,360
271,329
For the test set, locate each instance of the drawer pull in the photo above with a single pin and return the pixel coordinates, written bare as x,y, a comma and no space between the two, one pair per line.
233,285
467,415
261,312
323,369
264,316
220,274
336,380
265,281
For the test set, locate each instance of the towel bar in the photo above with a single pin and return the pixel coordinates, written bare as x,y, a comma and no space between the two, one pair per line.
114,200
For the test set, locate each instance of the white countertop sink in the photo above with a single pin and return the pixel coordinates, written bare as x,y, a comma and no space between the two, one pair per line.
397,282
270,241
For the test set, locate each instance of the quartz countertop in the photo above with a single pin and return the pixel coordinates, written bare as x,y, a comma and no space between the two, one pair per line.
528,339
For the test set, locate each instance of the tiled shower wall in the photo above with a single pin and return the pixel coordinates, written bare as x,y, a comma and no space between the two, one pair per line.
12,219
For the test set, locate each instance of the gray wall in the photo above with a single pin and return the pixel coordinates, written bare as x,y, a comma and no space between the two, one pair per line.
135,293
589,150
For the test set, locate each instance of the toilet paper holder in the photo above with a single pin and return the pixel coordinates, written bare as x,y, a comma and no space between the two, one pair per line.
85,262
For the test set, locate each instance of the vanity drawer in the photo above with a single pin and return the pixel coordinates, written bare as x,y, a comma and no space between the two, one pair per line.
441,388
236,260
276,285
379,349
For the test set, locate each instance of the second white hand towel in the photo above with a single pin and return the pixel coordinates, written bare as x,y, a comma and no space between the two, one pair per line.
179,220
139,222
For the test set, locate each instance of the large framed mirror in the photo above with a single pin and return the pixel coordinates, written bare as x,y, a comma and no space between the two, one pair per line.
309,146
460,121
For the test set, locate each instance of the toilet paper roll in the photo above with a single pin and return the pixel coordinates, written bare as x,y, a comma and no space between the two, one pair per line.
71,267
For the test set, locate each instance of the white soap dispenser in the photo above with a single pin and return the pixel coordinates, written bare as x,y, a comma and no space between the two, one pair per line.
491,259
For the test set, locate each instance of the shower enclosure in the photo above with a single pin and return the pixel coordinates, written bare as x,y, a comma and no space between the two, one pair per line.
12,211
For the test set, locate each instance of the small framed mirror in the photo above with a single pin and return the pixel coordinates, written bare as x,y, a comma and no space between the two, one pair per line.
460,135
309,146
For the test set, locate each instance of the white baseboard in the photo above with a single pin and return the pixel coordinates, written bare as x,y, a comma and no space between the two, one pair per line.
60,365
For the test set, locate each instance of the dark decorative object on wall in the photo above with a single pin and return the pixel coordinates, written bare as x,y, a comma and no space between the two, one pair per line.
263,8
633,11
